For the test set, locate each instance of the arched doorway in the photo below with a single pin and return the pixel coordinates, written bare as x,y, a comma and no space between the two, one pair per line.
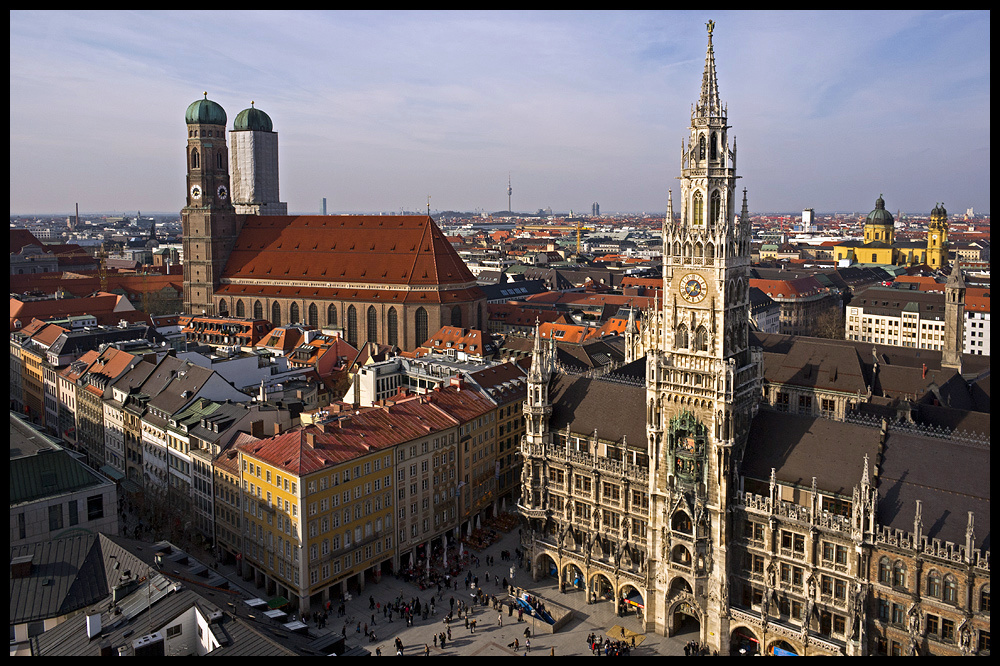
573,577
743,642
601,588
631,603
546,566
684,621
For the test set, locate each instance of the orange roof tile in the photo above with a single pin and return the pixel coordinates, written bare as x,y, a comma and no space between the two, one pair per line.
404,250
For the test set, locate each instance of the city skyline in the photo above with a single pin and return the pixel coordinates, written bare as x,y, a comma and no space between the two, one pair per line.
381,111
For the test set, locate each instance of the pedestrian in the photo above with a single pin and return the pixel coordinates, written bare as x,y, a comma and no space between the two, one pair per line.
427,650
500,619
527,644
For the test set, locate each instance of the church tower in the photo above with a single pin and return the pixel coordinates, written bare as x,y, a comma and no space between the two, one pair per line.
937,238
702,379
255,164
954,320
208,221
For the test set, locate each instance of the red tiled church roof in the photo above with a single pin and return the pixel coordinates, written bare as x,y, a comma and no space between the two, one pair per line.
337,251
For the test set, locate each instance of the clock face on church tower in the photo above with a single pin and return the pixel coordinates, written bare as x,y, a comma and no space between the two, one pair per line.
693,288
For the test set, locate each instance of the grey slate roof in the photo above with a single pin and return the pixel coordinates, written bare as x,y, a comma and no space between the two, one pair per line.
801,447
613,409
950,478
67,575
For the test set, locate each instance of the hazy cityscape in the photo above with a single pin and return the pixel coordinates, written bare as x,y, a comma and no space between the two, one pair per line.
515,357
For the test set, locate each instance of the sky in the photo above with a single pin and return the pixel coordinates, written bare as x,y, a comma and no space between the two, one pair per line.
398,111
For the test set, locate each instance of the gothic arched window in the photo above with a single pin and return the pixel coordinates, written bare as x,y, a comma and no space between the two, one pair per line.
195,158
420,323
223,308
898,574
715,150
698,209
258,310
352,326
681,340
393,322
371,325
950,590
219,164
240,309
313,315
701,148
884,571
293,313
715,214
701,339
276,314
934,584
331,315
456,317
681,522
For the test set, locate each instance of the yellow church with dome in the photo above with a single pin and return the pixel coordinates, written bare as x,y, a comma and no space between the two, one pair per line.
880,246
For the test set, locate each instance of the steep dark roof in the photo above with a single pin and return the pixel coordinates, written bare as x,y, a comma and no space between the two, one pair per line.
949,477
801,447
612,409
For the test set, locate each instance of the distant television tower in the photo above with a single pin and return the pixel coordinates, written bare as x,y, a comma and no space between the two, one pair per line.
509,192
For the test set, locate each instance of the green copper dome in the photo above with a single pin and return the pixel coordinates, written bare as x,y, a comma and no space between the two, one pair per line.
880,215
205,112
252,119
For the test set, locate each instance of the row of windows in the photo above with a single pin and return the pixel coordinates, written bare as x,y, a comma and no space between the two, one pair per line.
420,319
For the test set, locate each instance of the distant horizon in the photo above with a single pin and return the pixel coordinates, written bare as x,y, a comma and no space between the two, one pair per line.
386,111
515,213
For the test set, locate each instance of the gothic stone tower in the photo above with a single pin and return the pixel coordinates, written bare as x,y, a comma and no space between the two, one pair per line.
209,221
702,380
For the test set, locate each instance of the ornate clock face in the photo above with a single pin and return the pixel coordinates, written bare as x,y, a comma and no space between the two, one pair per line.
222,192
196,192
693,288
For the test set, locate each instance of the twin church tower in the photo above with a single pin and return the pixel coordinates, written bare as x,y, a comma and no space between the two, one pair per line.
220,186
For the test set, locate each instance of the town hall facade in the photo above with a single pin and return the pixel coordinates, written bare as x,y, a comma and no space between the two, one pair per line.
674,489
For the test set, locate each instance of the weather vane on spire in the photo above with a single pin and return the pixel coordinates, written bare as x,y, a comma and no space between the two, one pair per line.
711,26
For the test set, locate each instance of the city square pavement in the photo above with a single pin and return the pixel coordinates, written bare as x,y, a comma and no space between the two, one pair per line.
489,638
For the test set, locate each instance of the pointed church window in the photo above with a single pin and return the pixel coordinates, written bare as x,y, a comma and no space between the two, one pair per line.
352,326
698,209
716,204
393,323
420,321
372,324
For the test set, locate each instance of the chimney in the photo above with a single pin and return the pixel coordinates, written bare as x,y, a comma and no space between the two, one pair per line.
257,429
311,440
20,567
277,428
